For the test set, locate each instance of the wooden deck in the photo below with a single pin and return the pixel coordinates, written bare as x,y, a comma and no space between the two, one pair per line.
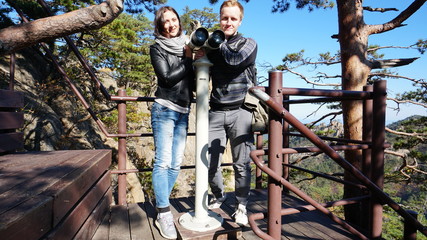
135,222
53,195
67,195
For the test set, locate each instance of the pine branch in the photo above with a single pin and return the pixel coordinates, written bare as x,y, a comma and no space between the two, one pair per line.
385,47
28,33
389,63
406,101
419,81
405,164
333,114
397,21
311,82
382,10
420,136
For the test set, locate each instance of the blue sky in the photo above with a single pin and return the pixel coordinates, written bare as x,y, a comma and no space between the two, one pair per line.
280,33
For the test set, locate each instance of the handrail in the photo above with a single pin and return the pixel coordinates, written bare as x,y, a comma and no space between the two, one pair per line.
288,117
254,156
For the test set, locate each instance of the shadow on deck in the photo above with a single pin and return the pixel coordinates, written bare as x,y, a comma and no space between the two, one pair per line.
136,221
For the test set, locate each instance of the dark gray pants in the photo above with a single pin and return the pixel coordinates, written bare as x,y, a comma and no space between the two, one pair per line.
233,125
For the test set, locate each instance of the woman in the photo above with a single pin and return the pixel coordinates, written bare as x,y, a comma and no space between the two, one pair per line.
172,62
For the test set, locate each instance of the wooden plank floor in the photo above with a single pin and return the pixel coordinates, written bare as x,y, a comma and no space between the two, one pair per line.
49,195
135,221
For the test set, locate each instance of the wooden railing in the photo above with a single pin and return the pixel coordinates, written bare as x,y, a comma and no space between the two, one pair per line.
11,117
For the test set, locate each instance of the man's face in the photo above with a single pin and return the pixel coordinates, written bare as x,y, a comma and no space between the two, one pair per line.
230,20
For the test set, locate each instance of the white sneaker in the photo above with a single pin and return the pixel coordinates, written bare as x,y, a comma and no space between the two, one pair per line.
164,223
216,202
240,215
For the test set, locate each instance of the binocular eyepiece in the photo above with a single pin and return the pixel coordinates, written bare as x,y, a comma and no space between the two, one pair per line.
202,38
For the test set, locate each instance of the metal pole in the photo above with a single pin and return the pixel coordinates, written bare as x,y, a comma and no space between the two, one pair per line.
410,232
367,132
275,157
378,137
122,149
366,153
201,220
328,150
258,172
202,137
286,142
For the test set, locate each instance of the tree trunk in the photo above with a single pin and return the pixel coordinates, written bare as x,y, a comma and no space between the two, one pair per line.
355,70
26,34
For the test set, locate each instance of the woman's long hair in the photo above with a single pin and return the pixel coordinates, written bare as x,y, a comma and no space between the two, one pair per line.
159,21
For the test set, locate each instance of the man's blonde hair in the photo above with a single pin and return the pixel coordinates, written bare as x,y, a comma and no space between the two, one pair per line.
232,3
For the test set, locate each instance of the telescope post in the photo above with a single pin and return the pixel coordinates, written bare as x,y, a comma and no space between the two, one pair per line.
201,219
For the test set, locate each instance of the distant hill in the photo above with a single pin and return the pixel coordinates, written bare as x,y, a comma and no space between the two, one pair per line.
396,125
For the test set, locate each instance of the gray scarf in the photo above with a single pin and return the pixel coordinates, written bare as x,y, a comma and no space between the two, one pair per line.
174,45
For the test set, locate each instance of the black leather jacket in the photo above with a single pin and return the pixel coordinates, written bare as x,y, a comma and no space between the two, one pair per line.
175,76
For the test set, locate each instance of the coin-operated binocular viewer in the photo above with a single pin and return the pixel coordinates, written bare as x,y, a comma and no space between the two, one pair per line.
201,38
202,219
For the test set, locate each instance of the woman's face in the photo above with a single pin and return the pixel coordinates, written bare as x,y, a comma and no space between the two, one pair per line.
230,20
170,24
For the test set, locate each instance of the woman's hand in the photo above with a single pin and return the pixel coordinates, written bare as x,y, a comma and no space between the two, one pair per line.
188,52
199,54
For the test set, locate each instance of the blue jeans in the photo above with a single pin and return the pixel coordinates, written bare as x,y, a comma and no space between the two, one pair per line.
170,134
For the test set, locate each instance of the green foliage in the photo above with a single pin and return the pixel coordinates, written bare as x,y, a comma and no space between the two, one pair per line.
419,95
328,57
110,118
393,225
294,57
411,195
421,45
138,6
61,6
206,18
122,47
373,52
31,9
283,5
324,132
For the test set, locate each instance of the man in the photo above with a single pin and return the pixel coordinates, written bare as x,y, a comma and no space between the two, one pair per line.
233,72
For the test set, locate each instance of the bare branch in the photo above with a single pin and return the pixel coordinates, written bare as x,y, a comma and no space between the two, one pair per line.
333,114
26,34
322,62
389,63
405,163
420,136
311,82
384,47
305,157
397,21
419,81
407,101
382,10
324,75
